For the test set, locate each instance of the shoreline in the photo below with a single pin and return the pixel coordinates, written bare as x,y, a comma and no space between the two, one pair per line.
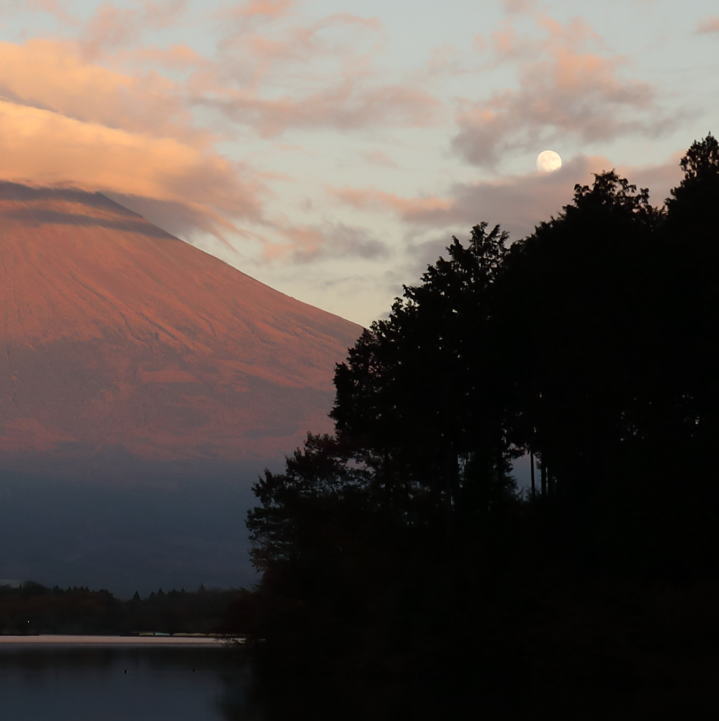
80,640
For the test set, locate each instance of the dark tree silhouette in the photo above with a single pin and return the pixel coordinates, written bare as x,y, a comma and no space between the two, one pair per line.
313,537
401,544
420,391
359,524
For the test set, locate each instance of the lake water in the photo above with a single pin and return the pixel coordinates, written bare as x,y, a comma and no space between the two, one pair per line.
96,680
111,679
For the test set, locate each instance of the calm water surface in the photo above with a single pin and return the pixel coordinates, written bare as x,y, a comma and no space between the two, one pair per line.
79,682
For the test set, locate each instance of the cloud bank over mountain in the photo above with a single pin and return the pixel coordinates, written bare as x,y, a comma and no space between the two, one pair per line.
233,125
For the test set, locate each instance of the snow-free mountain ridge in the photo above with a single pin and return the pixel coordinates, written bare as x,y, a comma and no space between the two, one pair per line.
115,334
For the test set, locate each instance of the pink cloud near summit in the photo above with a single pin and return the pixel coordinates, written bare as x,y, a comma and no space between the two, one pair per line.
55,76
66,120
44,147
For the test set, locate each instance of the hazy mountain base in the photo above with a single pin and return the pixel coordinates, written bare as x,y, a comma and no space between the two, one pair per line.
122,524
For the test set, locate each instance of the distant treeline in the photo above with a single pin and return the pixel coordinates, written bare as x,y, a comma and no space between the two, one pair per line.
32,609
400,547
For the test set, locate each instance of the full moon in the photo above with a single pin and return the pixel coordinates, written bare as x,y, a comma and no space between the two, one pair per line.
548,161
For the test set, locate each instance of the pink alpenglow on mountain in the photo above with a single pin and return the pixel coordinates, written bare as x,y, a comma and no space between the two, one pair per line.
117,335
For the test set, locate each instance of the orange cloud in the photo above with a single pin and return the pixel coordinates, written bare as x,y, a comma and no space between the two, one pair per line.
505,43
43,147
66,120
265,8
709,25
54,75
407,207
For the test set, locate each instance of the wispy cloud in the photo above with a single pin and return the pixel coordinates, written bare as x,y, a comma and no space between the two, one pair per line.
112,26
517,202
379,157
372,198
709,25
345,105
52,7
563,90
314,75
262,8
327,241
518,6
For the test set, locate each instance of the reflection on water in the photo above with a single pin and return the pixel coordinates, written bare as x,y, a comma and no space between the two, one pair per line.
165,683
40,683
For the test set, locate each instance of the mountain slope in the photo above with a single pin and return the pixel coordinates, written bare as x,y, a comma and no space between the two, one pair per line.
116,335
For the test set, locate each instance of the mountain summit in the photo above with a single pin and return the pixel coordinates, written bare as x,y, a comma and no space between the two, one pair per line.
116,334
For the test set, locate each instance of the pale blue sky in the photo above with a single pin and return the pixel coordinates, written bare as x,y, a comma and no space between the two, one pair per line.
330,148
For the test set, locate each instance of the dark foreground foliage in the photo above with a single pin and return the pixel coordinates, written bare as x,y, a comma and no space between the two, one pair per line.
399,548
32,609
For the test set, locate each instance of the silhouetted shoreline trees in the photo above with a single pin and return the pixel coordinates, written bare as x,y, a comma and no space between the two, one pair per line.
401,545
31,608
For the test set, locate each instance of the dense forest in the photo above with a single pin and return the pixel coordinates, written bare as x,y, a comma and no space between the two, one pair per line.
400,548
31,608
